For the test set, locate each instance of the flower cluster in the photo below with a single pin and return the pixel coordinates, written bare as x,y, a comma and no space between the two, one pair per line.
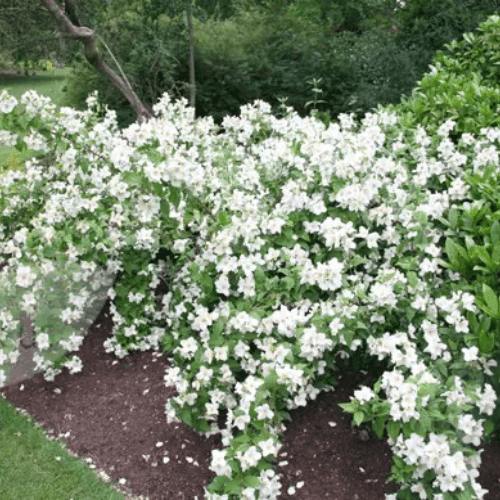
283,245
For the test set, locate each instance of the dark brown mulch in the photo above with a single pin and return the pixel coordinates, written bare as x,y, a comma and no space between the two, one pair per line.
114,412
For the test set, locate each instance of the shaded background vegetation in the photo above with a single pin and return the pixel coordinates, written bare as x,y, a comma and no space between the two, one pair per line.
363,52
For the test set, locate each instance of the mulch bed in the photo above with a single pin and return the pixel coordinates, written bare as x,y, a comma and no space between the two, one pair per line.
114,413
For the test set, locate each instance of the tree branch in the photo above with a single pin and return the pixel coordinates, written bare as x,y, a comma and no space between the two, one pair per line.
88,38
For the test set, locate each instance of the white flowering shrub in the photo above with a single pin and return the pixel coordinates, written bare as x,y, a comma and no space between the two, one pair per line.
282,245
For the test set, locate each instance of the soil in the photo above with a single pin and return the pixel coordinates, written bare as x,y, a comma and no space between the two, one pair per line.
114,413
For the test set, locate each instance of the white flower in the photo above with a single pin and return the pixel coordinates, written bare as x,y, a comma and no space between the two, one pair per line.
264,412
487,401
268,447
248,494
241,421
364,395
219,464
250,458
8,139
145,239
470,354
42,341
138,297
25,276
382,294
74,365
473,430
7,102
221,353
414,448
222,285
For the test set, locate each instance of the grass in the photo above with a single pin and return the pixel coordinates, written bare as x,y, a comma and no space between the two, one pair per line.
35,467
49,83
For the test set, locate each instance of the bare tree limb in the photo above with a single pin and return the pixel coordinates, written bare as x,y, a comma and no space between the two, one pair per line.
69,20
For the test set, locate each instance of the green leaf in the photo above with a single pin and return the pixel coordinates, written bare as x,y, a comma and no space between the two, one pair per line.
421,218
489,427
186,416
471,318
486,341
218,484
491,299
424,424
393,430
347,407
495,232
412,279
251,481
452,253
175,196
378,426
485,324
223,218
358,417
453,218
469,243
483,254
233,487
495,256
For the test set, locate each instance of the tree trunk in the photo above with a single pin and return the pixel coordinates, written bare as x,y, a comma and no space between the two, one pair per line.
69,21
192,81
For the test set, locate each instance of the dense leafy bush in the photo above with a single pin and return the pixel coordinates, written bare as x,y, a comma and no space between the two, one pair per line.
381,71
286,244
255,56
477,52
443,95
257,53
426,25
463,85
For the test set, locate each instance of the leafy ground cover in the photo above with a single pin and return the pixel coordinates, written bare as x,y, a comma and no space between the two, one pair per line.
91,410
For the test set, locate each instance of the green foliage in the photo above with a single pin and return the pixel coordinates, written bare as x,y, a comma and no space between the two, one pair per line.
12,162
462,98
476,53
265,52
463,85
258,56
473,250
381,71
428,25
27,33
150,52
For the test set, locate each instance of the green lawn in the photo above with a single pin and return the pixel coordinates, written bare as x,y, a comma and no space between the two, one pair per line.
48,83
34,467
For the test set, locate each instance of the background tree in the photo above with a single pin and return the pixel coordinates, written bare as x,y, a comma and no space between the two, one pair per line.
366,52
68,19
192,78
28,33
